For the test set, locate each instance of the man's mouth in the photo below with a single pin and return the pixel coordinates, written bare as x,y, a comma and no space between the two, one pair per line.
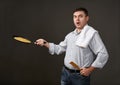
77,23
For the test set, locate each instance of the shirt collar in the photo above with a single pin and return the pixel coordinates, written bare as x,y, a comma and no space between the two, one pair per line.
77,33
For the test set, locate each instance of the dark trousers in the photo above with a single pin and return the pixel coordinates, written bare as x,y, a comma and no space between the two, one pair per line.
73,78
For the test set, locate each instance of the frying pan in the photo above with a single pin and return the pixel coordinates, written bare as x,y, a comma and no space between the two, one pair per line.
23,40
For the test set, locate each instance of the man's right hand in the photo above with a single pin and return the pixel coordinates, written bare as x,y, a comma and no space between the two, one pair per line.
42,42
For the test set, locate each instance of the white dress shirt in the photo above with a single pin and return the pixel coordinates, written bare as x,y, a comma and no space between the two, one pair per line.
95,54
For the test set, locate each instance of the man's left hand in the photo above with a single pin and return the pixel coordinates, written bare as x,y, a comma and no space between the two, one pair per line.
87,71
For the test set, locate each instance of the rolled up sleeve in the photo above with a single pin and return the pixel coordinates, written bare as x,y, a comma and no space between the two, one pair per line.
99,50
51,48
57,49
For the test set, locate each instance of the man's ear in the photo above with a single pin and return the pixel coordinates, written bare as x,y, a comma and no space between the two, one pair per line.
87,18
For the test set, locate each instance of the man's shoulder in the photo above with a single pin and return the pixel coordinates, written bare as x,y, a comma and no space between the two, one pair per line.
91,28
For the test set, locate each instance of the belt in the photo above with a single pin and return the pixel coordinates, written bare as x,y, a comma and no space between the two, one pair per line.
72,70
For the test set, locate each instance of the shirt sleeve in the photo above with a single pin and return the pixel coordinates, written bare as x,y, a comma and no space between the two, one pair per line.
57,49
99,50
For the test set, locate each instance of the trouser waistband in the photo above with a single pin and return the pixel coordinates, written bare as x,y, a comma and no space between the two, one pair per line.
72,70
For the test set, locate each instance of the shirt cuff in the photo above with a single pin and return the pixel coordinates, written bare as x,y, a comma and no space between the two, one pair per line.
97,65
51,48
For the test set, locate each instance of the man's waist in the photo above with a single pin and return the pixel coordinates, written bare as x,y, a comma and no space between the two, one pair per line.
72,70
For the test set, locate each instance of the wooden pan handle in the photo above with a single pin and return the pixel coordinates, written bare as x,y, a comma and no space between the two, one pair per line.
75,65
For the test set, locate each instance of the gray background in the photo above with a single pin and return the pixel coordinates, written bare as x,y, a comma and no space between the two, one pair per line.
28,64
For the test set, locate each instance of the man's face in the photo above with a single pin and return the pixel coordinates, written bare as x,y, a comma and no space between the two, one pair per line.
80,19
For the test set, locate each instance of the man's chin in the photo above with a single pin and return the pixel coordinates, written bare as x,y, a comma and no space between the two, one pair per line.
79,27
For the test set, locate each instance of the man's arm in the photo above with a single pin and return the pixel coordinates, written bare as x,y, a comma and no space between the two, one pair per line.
99,49
53,48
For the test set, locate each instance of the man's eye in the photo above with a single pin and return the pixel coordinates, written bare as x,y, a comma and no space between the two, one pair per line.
81,16
75,16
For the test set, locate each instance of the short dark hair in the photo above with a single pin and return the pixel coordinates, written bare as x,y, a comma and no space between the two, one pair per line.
81,9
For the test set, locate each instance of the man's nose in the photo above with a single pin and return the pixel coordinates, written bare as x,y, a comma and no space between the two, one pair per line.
77,18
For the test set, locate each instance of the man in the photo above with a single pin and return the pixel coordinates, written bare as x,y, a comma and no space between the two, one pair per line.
83,46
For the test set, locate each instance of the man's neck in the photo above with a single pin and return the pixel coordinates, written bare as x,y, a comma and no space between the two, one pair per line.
78,30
